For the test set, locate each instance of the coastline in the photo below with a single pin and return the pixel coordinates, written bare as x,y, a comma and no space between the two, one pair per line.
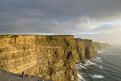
48,56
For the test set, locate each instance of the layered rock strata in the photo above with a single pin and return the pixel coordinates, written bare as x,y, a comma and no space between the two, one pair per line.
49,57
85,49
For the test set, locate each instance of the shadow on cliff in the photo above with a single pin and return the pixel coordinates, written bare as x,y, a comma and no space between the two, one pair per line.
87,53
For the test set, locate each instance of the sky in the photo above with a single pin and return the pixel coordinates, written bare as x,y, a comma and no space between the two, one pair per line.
99,20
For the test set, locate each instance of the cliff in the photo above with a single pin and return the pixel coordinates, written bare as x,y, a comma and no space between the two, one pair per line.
49,57
105,45
85,49
99,46
57,57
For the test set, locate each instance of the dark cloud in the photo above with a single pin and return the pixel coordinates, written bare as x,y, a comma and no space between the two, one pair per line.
61,8
53,16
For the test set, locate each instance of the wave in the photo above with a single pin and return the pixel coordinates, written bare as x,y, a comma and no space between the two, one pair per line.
97,76
89,63
105,67
98,59
100,52
100,66
80,77
80,66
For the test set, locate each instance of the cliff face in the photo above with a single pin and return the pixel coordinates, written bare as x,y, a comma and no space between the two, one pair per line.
57,57
18,53
89,49
85,49
99,46
80,47
105,45
49,57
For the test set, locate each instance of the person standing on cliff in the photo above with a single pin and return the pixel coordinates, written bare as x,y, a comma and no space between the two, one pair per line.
22,74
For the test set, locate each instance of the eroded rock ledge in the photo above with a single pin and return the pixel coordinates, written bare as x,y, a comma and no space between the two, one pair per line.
50,57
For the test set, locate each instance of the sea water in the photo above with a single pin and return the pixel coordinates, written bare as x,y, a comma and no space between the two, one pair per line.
105,67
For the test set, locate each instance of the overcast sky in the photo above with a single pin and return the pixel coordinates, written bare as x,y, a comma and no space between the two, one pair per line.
99,20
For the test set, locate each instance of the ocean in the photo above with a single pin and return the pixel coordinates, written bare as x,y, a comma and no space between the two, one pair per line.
105,67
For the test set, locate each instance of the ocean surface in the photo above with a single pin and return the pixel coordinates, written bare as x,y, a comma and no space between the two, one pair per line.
105,67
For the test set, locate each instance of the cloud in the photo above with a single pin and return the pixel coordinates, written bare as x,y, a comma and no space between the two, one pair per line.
61,9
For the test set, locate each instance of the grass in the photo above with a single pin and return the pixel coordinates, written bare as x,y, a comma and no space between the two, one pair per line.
8,36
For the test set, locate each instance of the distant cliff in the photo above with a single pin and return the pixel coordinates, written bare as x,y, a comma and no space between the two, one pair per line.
99,46
50,57
105,45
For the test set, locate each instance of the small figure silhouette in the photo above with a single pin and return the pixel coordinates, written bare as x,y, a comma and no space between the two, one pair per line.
26,75
22,74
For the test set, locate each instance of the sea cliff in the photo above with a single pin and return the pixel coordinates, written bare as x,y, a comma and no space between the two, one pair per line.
85,49
49,57
99,46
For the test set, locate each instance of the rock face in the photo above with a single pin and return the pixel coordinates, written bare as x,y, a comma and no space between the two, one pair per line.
99,46
18,53
85,49
56,58
49,57
105,45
